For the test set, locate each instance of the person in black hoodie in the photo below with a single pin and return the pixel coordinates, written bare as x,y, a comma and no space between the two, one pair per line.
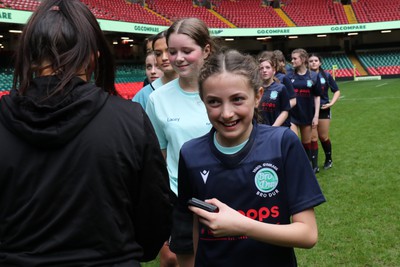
82,178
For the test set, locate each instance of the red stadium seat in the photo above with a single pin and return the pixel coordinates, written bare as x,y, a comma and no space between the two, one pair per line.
376,10
128,90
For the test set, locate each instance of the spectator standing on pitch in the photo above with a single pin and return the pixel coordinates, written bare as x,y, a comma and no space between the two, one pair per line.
307,87
274,105
178,114
82,178
322,131
160,50
257,176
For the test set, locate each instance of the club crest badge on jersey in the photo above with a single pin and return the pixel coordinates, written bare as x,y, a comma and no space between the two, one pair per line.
322,80
266,180
309,83
274,95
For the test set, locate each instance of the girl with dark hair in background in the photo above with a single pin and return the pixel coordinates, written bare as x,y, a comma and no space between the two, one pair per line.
82,178
258,176
322,131
152,70
160,50
147,49
306,85
281,75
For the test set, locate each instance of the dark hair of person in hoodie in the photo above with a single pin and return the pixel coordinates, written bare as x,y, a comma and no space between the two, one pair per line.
63,38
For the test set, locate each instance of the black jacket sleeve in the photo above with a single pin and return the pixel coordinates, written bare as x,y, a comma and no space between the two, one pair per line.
153,212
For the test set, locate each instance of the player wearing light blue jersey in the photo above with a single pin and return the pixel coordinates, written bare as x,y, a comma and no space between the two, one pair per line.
143,95
178,114
177,117
160,50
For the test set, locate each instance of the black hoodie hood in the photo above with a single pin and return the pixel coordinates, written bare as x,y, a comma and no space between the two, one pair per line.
54,121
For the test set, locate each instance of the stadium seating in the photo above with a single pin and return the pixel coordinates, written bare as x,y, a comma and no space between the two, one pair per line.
128,81
6,79
381,62
26,5
341,17
252,16
376,10
315,12
175,9
341,61
123,11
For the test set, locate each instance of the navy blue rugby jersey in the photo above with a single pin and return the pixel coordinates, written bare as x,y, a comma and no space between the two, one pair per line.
269,180
287,83
274,100
326,83
305,87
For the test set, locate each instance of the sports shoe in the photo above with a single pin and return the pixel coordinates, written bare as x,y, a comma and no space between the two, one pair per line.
316,170
328,164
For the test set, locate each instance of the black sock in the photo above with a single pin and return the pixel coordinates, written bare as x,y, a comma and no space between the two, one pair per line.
314,154
307,148
326,145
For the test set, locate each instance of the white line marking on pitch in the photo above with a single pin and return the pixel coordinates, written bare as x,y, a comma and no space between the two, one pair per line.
371,98
382,84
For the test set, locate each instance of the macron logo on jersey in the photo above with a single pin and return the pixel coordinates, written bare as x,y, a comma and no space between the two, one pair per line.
204,175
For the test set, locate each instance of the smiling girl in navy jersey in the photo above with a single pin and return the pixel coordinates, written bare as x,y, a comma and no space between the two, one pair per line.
274,105
306,85
322,132
257,175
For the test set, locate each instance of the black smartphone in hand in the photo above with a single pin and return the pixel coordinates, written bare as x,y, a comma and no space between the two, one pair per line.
202,205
